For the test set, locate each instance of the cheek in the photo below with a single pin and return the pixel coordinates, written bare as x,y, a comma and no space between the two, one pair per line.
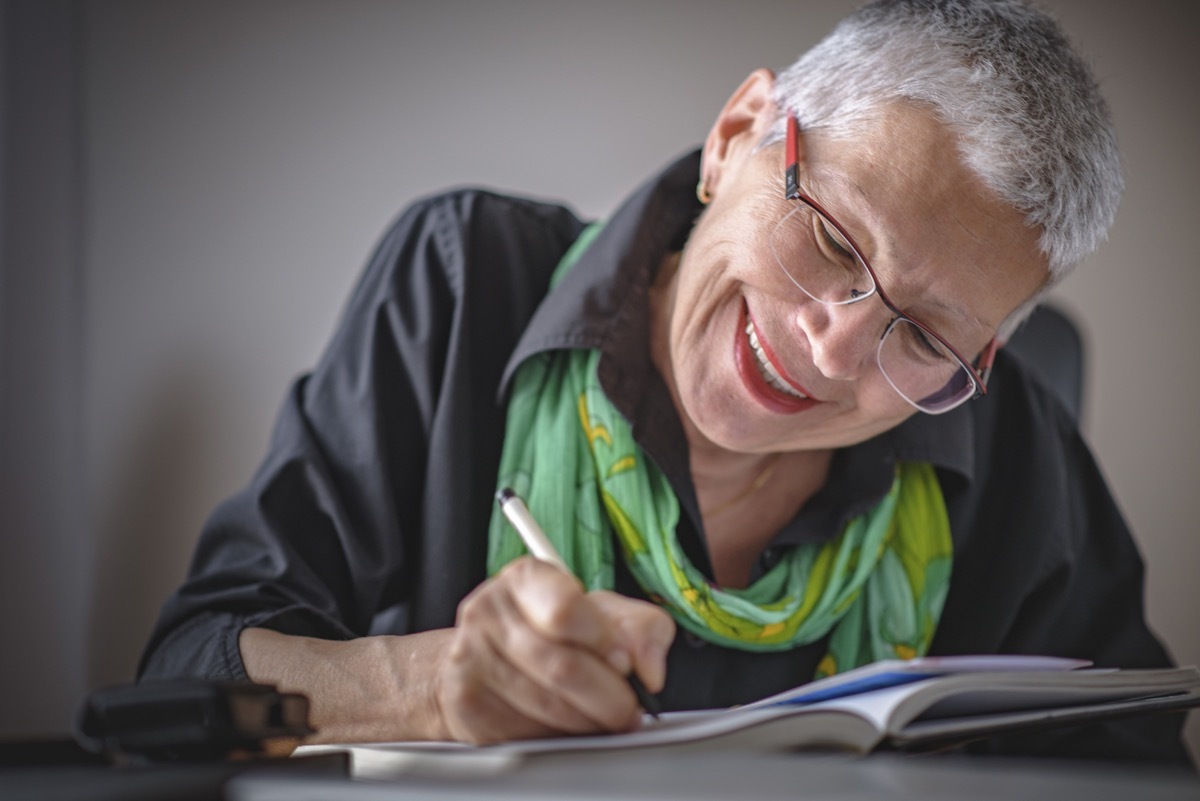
877,400
877,408
735,232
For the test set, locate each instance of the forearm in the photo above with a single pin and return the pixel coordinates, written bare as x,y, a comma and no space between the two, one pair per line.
367,689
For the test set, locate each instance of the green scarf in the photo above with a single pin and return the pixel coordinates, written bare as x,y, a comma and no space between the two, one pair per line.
570,455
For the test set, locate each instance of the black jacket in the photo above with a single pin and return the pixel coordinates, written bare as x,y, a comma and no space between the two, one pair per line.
370,511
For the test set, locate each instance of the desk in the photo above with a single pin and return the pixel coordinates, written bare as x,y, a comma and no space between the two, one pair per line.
58,774
596,777
760,777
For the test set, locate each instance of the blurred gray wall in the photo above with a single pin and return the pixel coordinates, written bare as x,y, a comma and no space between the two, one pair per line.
191,187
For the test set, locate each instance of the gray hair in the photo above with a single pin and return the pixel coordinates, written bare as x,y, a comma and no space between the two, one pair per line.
1030,120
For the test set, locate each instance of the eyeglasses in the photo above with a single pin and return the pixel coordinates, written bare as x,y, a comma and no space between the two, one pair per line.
919,364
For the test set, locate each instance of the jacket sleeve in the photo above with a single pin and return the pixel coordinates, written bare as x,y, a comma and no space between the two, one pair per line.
330,531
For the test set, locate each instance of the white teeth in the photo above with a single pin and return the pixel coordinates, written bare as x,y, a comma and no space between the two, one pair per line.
766,368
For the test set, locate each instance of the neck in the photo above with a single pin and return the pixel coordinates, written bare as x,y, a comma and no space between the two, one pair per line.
740,520
724,476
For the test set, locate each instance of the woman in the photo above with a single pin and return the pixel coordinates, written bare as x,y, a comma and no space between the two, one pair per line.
743,409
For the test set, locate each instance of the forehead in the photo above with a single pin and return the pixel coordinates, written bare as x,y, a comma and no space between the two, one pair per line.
938,237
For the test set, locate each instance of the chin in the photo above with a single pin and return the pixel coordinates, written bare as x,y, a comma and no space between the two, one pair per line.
742,433
867,427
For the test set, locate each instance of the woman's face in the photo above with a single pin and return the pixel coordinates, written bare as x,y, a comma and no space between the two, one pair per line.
943,248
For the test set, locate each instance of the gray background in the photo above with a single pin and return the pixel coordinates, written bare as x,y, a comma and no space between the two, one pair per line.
190,188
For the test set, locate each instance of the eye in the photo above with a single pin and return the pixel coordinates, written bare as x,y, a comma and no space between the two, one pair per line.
834,243
924,346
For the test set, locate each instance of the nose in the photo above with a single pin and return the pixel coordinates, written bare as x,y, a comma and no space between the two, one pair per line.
842,339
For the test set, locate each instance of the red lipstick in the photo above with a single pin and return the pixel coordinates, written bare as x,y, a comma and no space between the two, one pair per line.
752,379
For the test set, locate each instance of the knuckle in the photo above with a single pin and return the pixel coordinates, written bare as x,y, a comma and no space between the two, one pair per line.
560,615
458,654
476,608
560,667
519,570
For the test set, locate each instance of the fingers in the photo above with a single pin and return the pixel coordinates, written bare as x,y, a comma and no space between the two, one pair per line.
486,699
554,604
532,655
548,632
643,630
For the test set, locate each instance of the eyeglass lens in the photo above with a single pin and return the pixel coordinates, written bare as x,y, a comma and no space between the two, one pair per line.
819,260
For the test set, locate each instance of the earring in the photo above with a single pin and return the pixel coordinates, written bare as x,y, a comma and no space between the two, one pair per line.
702,193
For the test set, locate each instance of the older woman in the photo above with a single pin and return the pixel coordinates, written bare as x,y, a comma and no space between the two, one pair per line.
749,408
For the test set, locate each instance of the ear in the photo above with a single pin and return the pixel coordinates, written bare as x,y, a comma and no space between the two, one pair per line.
743,121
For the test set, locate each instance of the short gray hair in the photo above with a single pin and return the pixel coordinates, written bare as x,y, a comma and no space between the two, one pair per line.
1031,122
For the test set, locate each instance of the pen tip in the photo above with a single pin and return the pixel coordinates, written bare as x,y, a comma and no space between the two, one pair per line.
504,494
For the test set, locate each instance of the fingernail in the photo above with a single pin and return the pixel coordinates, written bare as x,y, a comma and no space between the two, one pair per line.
620,660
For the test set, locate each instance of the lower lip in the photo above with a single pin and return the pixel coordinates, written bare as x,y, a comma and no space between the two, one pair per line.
757,386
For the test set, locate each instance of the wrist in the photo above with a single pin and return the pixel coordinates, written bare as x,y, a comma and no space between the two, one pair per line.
367,689
406,670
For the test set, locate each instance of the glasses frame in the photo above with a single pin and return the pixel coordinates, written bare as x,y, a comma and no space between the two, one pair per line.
979,376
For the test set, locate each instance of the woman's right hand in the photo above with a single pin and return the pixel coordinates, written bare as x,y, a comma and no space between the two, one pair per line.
533,655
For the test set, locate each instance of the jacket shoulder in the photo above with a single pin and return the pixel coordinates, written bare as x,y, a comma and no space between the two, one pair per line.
467,242
470,223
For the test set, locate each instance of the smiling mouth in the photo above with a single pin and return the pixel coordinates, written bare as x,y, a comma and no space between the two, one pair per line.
765,368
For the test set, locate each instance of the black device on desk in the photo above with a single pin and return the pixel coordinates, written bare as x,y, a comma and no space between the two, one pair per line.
181,740
189,720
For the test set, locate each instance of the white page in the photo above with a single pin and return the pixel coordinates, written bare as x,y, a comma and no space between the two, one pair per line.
920,667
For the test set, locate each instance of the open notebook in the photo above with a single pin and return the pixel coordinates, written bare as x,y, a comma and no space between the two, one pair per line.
920,703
